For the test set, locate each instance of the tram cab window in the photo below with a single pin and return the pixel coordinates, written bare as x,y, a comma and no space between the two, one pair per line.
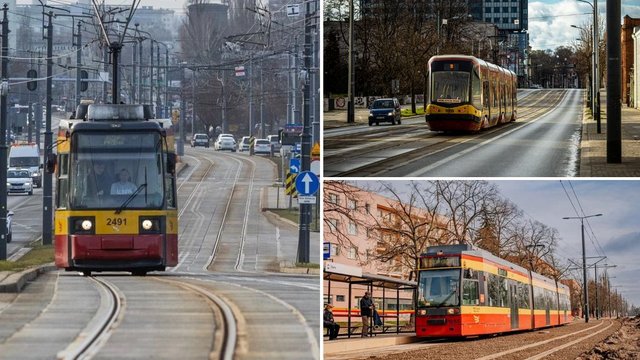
450,86
439,288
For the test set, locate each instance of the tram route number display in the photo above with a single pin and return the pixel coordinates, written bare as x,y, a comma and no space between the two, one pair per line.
116,221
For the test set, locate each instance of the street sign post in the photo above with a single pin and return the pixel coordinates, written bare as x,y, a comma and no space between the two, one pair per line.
294,166
307,183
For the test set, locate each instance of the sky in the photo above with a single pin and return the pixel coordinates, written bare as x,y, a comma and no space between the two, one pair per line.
617,231
615,234
550,20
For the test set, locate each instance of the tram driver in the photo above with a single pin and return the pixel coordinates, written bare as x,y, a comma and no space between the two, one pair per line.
124,186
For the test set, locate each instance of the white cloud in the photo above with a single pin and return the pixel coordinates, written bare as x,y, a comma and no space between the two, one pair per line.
550,21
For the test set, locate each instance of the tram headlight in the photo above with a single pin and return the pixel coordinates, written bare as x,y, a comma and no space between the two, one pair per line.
422,312
151,225
84,225
453,311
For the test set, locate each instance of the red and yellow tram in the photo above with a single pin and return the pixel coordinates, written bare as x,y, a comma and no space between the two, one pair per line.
466,291
99,223
469,94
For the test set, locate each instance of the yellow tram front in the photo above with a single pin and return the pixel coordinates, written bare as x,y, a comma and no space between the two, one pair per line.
454,94
116,206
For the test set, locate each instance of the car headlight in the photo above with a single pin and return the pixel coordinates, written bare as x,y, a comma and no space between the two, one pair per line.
370,113
390,113
27,184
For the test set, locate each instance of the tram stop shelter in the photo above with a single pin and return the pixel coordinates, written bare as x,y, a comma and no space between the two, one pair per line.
376,285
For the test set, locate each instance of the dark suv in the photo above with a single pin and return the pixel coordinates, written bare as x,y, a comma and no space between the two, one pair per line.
200,140
384,110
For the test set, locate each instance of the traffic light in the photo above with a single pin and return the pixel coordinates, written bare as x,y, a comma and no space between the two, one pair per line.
32,84
84,84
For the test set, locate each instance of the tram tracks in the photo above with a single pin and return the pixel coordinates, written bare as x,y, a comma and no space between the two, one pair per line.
406,150
101,326
226,336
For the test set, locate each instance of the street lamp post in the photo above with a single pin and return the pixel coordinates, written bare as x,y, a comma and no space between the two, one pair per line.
585,290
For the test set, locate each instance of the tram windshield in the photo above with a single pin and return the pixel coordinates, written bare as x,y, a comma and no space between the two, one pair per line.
107,169
450,87
439,288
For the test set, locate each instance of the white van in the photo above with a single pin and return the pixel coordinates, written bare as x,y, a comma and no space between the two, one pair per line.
27,157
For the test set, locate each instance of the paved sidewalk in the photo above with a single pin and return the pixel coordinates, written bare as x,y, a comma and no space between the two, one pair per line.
593,147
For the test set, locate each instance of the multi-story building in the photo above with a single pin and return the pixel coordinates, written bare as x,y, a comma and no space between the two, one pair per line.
635,73
358,236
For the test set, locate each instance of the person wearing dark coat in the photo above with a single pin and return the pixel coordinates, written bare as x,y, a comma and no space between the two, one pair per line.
330,323
366,311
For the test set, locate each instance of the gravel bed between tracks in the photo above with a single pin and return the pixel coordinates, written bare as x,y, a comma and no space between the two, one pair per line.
475,348
624,344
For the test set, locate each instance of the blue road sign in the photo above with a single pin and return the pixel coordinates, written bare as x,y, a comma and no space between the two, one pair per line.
307,183
298,148
326,250
294,166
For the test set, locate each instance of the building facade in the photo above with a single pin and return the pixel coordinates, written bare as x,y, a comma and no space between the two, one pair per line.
634,85
627,55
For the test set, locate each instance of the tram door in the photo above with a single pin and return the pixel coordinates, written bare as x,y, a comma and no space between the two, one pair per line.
514,306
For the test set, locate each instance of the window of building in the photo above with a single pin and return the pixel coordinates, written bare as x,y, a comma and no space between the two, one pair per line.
505,20
505,9
352,204
353,253
487,10
514,9
487,20
367,208
353,228
334,198
333,224
339,298
496,20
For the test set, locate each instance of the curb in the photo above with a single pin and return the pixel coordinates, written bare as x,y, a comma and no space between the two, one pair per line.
15,282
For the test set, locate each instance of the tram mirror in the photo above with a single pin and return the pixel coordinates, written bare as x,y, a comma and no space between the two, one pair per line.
51,163
171,163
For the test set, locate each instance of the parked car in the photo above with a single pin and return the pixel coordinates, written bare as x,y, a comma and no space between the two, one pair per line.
385,110
200,140
225,142
274,140
262,146
245,143
19,181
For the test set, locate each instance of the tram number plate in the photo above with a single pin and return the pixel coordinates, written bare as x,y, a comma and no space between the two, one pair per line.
116,221
449,110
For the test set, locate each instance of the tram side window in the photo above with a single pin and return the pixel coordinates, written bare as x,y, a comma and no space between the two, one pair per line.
523,296
493,290
476,90
539,300
169,191
470,294
494,92
62,182
485,91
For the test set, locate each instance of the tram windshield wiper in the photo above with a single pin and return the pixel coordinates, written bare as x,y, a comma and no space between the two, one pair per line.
447,298
130,198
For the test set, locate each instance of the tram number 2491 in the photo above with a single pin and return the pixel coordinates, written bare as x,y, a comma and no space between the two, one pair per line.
116,221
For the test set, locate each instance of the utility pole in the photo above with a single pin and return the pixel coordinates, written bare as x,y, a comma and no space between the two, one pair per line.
305,137
183,111
289,90
614,81
262,133
78,45
297,119
151,76
4,89
595,267
134,80
250,73
351,70
47,190
315,80
585,290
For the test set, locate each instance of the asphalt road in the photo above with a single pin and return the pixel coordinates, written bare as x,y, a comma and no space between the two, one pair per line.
543,142
229,251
